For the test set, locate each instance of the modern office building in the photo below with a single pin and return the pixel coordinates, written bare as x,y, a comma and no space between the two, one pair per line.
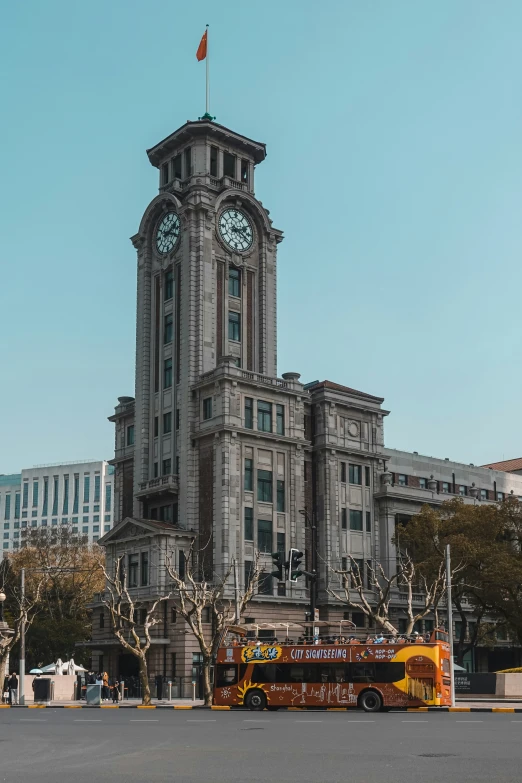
215,445
79,494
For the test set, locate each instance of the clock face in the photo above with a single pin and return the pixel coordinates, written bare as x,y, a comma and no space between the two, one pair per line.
168,232
236,229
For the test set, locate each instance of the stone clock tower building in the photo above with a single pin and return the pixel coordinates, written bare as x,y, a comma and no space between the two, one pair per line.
214,444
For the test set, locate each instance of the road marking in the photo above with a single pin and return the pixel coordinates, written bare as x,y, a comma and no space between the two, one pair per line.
33,720
144,720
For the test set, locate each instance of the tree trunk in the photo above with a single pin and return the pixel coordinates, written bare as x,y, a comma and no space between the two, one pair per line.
384,623
144,679
207,687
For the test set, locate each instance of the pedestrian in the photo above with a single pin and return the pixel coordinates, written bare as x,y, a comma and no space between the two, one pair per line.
105,686
5,690
115,691
159,687
13,689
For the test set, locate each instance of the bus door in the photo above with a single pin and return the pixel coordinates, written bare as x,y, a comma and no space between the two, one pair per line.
421,681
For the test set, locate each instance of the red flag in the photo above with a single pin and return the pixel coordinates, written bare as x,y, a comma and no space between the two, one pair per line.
202,48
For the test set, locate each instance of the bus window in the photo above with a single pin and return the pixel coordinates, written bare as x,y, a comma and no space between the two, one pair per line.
226,674
389,671
441,636
362,672
445,665
264,672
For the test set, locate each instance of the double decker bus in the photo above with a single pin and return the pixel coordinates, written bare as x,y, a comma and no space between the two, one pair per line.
369,675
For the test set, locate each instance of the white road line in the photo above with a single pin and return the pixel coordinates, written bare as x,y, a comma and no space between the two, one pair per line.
144,720
33,720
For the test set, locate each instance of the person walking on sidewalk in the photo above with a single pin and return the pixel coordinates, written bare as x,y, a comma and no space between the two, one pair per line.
13,689
159,687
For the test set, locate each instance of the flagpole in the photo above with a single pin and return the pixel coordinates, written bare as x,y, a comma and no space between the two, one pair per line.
207,102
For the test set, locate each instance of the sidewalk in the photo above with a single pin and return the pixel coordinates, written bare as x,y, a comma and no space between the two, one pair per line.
180,704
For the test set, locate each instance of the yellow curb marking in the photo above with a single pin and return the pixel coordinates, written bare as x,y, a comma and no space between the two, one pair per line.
182,707
459,709
146,706
116,707
502,709
218,707
72,706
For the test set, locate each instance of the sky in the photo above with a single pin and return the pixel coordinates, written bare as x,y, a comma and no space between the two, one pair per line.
394,168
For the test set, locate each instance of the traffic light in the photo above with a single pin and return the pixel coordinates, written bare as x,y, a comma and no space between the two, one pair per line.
278,562
294,559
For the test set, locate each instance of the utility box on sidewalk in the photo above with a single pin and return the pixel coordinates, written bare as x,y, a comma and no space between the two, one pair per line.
93,694
42,690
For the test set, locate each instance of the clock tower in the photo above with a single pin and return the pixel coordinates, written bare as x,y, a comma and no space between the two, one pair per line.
206,326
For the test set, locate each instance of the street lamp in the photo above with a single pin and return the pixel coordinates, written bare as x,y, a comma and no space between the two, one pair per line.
313,580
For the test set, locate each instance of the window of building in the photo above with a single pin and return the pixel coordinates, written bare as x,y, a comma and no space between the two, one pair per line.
176,167
233,281
6,525
500,496
264,416
102,619
181,564
55,495
249,475
133,565
265,587
166,467
280,419
188,161
34,522
168,328
169,285
130,435
25,495
106,518
85,529
244,171
249,413
46,494
108,497
156,426
234,330
24,513
249,524
156,470
264,535
35,494
343,472
483,494
423,483
65,509
164,173
105,527
96,518
343,519
446,487
281,543
356,520
264,486
86,489
207,408
173,615
97,489
229,165
402,480
367,476
177,465
86,509
7,511
213,161
368,522
6,545
463,490
167,373
281,589
280,495
167,423
34,512
84,519
96,529
6,535
76,493
144,570
355,474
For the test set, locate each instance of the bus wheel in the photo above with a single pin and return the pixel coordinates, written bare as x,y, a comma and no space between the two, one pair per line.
255,700
370,701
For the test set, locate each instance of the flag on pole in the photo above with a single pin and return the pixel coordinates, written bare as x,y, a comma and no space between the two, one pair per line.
202,48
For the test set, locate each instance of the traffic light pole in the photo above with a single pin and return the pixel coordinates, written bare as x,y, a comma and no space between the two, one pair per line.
313,562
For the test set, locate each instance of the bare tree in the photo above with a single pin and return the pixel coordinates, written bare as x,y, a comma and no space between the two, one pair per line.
193,595
376,592
123,614
18,609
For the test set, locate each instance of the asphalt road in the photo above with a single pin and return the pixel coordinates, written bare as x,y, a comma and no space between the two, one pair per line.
138,746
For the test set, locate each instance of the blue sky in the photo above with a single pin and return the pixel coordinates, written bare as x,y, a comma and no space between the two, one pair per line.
394,168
